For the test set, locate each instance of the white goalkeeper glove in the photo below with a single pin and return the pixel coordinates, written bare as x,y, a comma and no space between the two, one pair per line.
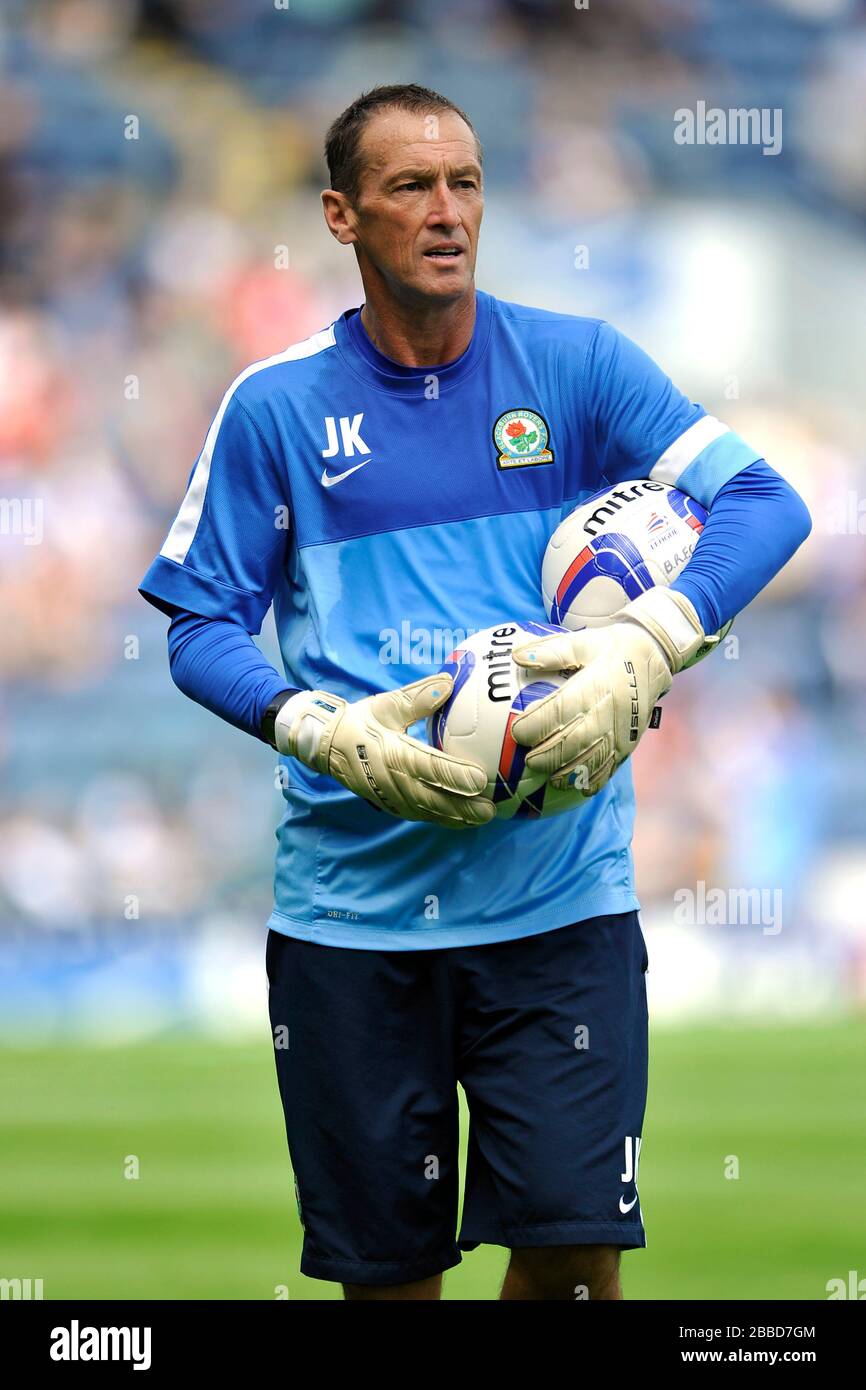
581,734
364,745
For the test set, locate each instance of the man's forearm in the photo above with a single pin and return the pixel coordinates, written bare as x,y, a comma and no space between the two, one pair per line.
216,663
755,524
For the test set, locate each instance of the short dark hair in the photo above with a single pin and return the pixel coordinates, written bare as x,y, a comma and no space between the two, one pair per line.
343,140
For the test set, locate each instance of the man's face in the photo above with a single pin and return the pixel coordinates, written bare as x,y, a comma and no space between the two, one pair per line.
420,203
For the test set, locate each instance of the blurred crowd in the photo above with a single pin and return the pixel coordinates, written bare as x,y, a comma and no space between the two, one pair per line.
160,228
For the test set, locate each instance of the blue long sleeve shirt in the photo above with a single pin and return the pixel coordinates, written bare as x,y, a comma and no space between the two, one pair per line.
755,524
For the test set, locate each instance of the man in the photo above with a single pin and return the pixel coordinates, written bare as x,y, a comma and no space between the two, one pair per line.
415,943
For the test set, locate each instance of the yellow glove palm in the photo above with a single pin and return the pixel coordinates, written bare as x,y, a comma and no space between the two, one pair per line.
364,745
581,734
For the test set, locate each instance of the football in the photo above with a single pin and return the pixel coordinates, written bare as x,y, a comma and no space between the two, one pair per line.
615,546
490,690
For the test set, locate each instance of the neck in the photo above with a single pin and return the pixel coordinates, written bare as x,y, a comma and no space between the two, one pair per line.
420,335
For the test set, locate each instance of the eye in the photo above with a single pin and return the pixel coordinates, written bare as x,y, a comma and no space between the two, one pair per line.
412,184
467,183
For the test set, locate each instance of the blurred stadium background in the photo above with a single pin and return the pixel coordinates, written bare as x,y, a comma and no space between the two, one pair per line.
137,277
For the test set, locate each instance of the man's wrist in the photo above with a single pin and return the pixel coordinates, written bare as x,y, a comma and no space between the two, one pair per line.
671,620
268,719
304,726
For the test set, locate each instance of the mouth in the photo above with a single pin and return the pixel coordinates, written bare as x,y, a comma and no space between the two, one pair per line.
444,254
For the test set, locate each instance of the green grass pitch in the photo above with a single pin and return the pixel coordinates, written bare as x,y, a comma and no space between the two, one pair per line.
212,1215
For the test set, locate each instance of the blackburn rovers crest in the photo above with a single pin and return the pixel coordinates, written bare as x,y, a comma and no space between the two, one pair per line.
521,438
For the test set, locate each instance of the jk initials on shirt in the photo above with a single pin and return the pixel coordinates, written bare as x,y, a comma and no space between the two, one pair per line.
350,434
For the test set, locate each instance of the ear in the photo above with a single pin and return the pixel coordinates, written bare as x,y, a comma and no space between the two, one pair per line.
339,216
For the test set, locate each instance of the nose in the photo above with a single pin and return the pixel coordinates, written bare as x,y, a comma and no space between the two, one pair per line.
443,209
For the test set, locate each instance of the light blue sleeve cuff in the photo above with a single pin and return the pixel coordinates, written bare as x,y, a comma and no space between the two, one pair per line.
716,465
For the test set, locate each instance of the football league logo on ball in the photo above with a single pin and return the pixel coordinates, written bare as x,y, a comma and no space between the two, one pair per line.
521,438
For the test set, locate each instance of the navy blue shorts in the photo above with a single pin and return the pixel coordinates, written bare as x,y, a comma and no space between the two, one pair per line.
547,1036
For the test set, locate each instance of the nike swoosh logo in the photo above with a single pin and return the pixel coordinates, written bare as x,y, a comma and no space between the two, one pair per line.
625,1206
329,479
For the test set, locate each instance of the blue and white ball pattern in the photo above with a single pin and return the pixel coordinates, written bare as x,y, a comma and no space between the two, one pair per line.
489,692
